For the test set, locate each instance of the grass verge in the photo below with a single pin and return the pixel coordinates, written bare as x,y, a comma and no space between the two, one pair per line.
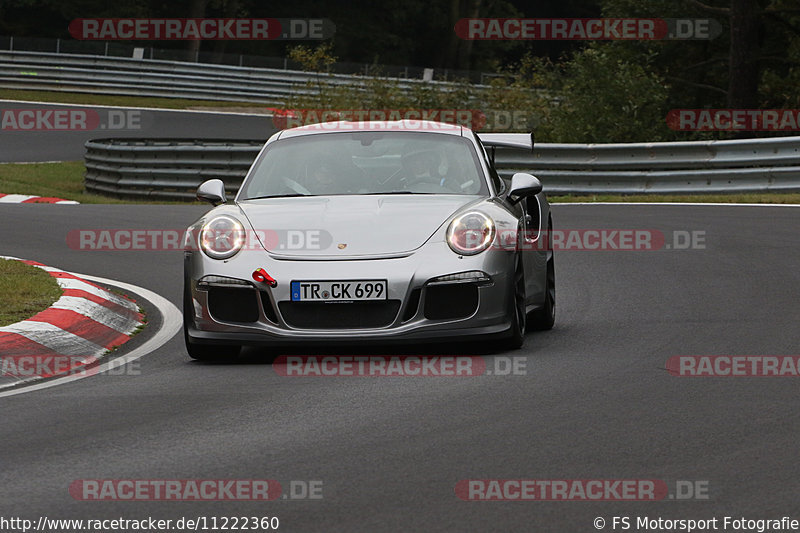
24,291
59,180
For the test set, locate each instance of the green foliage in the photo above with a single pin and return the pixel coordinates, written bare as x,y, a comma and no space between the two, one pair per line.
605,99
372,92
593,97
780,79
317,59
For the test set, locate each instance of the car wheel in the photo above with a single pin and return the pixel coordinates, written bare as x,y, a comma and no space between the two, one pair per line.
545,317
203,352
519,318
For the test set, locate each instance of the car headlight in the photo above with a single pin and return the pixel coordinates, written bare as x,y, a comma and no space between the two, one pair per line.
222,237
470,233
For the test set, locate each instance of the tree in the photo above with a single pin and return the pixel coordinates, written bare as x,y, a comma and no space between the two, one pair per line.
197,9
743,64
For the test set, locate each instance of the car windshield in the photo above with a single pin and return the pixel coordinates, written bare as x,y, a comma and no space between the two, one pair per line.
366,163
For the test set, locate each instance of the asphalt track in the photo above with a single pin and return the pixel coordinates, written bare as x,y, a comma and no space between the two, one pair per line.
596,402
19,145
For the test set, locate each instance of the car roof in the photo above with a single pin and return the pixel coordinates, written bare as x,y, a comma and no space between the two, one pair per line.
413,126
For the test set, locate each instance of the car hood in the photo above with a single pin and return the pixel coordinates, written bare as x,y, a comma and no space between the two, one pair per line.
349,226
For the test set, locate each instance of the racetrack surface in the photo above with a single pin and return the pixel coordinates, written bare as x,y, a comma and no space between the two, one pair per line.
53,144
596,403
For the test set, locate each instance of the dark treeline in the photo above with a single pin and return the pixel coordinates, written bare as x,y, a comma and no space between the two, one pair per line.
411,32
754,61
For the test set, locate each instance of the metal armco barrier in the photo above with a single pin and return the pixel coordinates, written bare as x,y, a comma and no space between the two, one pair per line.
750,165
172,169
169,79
165,169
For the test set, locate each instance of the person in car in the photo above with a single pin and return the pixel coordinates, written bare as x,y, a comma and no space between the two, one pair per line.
321,177
422,166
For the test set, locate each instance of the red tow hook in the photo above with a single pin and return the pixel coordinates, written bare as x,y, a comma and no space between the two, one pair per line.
261,276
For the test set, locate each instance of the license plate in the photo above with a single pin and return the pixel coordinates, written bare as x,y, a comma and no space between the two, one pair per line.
339,291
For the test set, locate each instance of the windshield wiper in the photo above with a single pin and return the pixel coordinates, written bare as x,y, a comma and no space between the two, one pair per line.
395,192
276,196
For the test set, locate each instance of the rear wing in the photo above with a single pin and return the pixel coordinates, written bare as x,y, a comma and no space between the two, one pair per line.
520,141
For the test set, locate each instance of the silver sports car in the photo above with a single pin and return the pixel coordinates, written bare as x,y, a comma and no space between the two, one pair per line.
374,231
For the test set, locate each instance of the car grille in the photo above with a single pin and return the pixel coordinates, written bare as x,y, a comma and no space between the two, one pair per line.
328,315
412,306
269,310
233,304
457,300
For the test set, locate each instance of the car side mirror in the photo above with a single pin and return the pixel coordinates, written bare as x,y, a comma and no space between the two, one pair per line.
212,191
523,185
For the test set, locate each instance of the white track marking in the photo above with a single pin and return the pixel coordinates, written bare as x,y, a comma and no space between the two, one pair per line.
14,198
69,283
97,312
53,337
172,322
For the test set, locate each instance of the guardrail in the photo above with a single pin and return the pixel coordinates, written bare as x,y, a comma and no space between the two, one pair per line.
170,79
165,169
210,54
748,165
172,169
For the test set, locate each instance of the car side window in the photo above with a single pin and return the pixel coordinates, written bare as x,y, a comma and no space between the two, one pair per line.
497,181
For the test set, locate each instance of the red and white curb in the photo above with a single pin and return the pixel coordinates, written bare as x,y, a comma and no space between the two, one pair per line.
27,199
79,328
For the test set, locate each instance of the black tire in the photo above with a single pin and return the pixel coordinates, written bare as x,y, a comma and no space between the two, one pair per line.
545,317
516,337
203,352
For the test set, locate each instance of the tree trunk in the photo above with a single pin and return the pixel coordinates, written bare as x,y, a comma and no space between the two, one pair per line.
465,49
449,59
196,10
459,51
743,70
231,11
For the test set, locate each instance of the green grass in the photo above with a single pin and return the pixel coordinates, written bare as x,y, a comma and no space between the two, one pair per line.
739,198
24,291
59,180
91,99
